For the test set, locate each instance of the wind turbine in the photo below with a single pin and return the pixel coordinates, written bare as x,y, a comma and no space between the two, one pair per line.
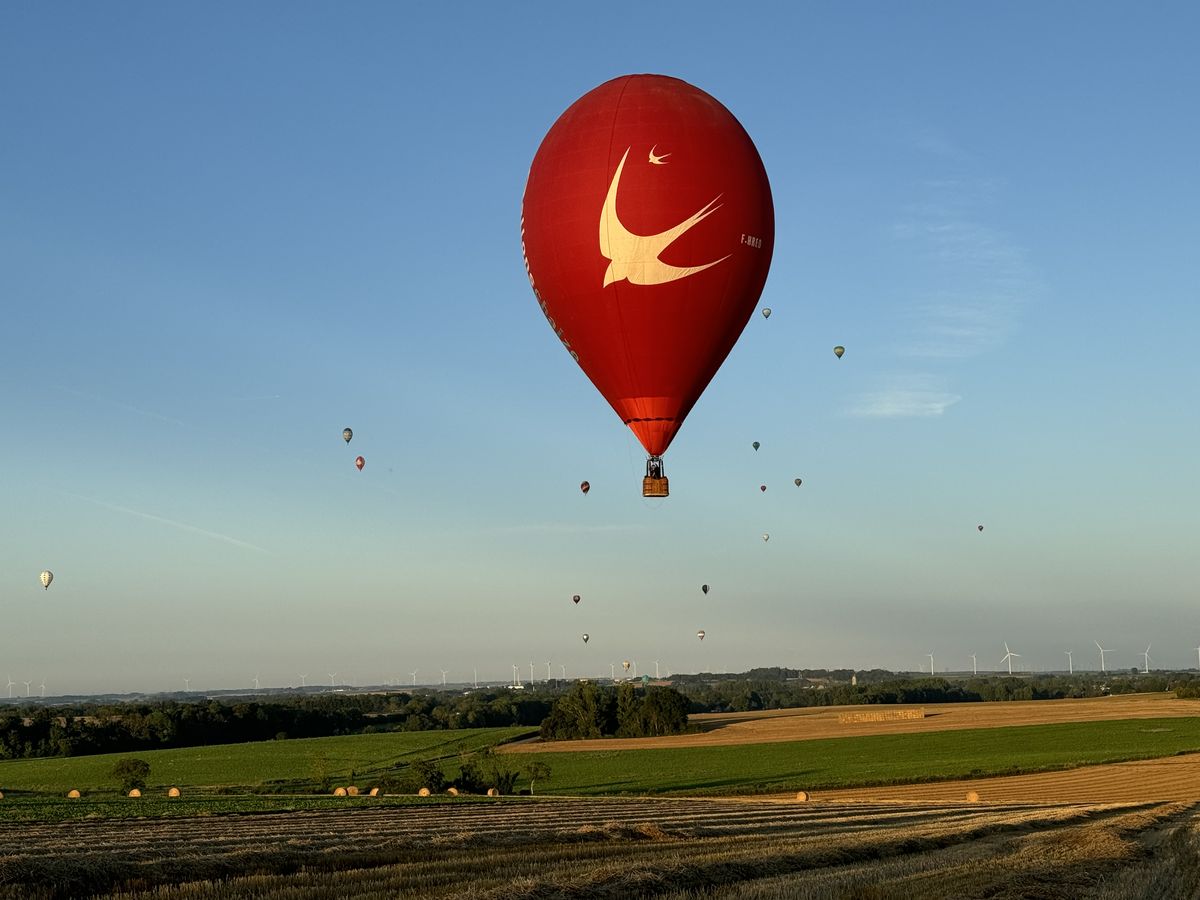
187,685
27,683
1008,657
476,671
413,673
1102,652
43,688
974,667
516,677
443,671
1070,663
531,673
547,671
930,655
656,675
302,684
564,672
1146,658
256,682
331,674
10,685
1197,658
612,672
634,667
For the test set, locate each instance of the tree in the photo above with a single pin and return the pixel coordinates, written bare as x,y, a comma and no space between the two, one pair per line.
131,773
536,770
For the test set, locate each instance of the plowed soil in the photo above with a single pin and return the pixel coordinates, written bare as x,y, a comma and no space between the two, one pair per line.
772,726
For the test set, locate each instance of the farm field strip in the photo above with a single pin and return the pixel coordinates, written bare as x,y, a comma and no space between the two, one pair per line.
538,851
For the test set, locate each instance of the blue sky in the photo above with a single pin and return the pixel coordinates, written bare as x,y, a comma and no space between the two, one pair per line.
227,231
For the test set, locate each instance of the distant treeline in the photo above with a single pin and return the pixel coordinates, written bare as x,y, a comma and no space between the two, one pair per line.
40,731
788,688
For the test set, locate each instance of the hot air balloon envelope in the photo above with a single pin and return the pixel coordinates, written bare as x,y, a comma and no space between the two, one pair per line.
585,486
762,487
981,528
799,482
838,351
756,445
704,588
766,312
586,637
700,634
647,229
575,599
625,665
46,578
359,463
347,434
766,537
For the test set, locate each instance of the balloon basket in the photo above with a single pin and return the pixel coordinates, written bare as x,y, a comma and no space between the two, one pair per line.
655,487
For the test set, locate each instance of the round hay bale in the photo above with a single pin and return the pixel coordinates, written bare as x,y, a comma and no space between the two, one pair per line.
972,796
135,793
352,791
493,792
374,792
173,792
424,792
73,794
339,792
802,796
452,791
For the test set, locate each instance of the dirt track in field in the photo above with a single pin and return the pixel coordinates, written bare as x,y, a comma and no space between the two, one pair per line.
772,726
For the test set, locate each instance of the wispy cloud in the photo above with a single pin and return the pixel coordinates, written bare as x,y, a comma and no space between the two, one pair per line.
911,396
183,526
978,278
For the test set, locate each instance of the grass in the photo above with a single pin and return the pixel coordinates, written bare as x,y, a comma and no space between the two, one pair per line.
254,766
865,761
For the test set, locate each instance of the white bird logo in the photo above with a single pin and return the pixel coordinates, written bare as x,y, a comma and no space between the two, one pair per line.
657,160
634,256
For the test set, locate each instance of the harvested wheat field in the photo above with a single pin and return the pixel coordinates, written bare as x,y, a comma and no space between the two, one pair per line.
779,725
620,848
1172,778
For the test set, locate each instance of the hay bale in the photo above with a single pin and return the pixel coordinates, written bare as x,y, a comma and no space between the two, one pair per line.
972,796
73,794
135,793
424,792
802,796
493,792
339,792
452,791
374,792
1,795
352,791
173,792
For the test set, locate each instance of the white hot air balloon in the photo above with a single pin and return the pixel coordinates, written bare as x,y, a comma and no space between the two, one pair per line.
700,634
47,577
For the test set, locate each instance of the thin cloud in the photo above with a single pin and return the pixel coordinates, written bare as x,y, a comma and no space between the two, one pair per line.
183,526
126,406
919,396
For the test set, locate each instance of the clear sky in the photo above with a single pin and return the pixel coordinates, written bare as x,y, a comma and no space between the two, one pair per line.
227,231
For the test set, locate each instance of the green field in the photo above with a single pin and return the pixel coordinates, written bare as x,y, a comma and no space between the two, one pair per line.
865,761
254,766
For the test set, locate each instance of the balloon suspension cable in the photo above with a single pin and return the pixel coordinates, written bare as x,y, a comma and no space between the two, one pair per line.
655,483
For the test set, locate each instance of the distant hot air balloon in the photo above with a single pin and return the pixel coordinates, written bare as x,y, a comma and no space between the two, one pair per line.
763,488
838,351
756,445
625,665
647,228
766,537
585,486
981,528
799,482
575,599
586,637
359,463
347,434
47,577
704,588
700,634
766,312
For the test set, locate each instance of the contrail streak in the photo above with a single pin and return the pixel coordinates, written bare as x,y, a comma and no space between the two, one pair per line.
181,525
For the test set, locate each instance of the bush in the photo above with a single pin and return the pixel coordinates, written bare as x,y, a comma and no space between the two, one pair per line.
131,773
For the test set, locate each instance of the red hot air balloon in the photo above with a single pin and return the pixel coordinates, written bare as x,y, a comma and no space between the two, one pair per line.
359,463
585,487
647,228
